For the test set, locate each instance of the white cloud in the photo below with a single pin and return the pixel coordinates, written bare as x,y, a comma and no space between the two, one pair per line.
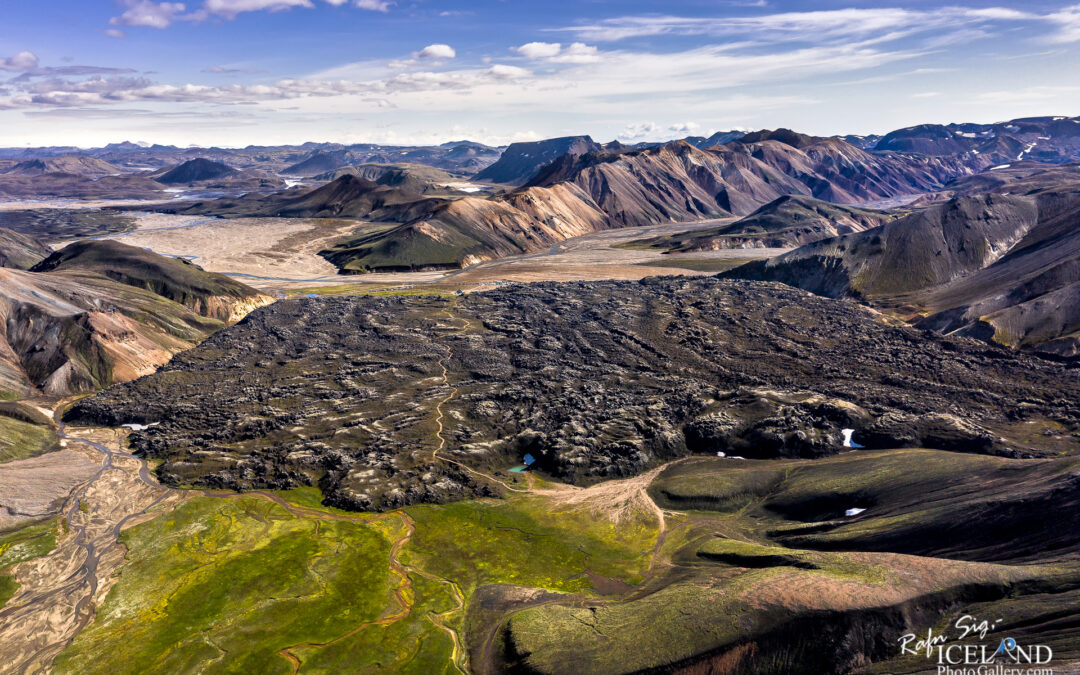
116,33
437,52
164,14
539,50
371,5
23,61
230,8
502,72
150,14
639,131
577,52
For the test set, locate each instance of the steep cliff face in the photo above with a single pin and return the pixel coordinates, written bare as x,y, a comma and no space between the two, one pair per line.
521,161
76,323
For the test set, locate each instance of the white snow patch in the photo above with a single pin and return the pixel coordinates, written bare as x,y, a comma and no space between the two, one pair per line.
848,443
140,427
1000,166
853,512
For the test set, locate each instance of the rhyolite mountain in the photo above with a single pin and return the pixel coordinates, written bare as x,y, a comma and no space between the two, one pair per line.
99,312
195,171
1043,139
415,178
66,164
320,162
677,182
1002,264
346,197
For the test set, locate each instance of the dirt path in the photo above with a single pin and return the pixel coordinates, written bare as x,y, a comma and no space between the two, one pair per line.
440,416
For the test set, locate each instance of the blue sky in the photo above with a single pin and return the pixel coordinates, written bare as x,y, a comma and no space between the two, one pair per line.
239,72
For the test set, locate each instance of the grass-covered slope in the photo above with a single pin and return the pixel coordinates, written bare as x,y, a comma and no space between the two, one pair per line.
21,251
249,584
767,572
24,432
206,293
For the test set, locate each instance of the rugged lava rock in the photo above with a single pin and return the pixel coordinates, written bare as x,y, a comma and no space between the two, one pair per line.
370,397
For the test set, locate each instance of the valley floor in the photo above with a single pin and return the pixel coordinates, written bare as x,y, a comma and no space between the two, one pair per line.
282,254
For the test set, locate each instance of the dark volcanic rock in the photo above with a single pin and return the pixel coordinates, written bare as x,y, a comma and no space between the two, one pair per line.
386,401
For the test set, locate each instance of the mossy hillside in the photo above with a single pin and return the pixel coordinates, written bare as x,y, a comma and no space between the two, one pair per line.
910,497
172,278
526,541
20,439
404,247
22,544
413,644
223,585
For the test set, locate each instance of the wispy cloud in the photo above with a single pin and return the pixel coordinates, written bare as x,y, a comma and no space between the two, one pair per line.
152,14
811,26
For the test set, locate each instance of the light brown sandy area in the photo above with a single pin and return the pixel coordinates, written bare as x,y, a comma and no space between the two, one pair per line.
27,204
594,257
35,488
264,252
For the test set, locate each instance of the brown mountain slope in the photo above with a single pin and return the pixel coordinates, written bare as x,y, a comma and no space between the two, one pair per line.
676,182
69,328
469,230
